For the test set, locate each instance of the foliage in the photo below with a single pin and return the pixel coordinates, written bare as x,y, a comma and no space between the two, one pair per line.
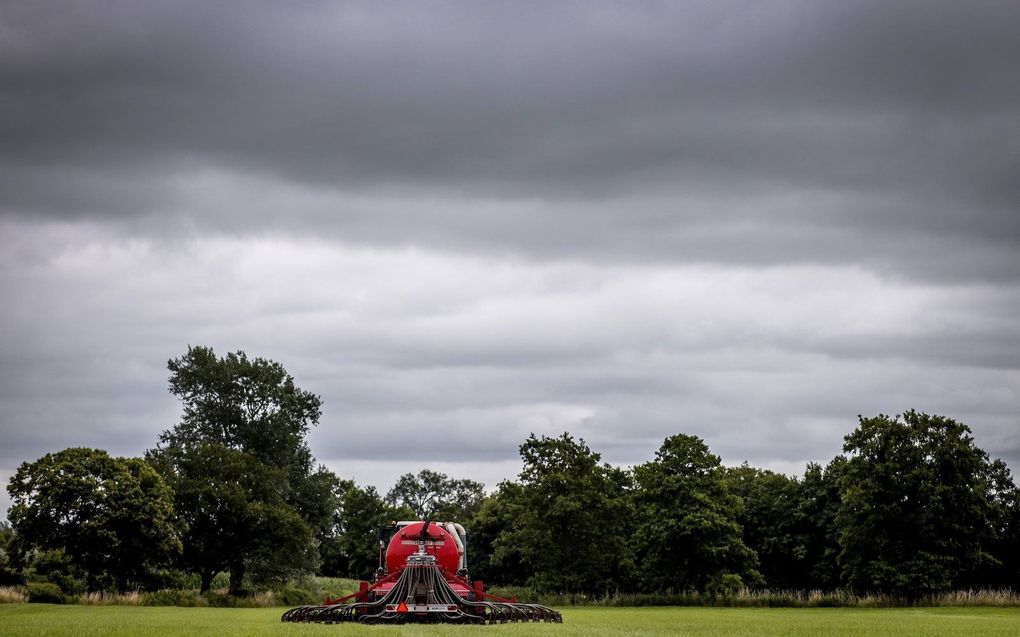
246,488
819,504
113,518
55,566
232,510
318,501
492,519
723,587
8,569
435,496
791,524
565,519
295,596
354,549
332,587
1004,516
772,524
305,590
916,515
44,593
173,597
686,528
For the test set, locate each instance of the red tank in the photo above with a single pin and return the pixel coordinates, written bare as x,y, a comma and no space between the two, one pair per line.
438,542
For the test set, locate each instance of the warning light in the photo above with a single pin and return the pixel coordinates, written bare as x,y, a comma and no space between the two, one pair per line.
402,608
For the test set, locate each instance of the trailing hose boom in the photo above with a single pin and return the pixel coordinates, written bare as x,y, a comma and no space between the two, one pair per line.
423,578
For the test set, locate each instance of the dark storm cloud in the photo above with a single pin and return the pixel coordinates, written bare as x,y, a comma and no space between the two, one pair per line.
463,222
798,131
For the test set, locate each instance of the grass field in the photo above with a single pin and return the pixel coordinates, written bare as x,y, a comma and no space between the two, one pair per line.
41,620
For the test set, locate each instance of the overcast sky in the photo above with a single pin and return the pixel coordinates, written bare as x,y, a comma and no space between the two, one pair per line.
463,222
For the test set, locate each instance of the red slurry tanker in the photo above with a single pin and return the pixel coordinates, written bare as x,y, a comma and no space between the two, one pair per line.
423,578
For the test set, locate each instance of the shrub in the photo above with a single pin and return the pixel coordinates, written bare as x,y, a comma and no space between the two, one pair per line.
55,567
44,593
332,587
223,599
295,596
723,587
164,579
220,599
173,597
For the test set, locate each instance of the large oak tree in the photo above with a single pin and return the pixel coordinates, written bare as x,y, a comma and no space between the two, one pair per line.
686,532
436,496
247,489
110,518
568,519
917,514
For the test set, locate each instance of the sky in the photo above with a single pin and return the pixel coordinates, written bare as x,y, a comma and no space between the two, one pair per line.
461,223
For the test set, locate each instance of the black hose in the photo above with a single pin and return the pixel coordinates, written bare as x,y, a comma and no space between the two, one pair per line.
438,591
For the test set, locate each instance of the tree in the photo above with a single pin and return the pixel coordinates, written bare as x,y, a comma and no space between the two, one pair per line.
111,517
916,514
433,495
246,486
332,558
1005,519
686,520
772,524
819,505
492,519
791,524
8,570
354,550
318,500
568,519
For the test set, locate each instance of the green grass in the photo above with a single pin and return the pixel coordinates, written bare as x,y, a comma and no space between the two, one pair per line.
41,620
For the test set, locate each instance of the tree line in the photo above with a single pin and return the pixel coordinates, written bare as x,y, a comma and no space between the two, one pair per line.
911,507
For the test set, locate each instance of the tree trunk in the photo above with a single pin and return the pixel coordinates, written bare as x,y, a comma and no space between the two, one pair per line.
207,576
236,576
